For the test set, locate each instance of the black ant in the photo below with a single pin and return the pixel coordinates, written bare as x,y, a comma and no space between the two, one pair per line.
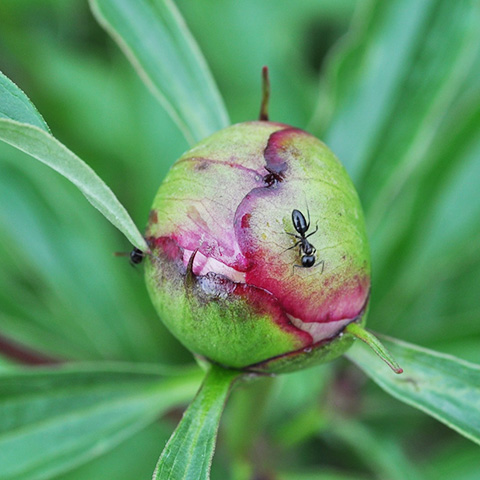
307,250
136,255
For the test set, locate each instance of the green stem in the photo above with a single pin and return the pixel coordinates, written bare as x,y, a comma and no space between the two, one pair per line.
265,95
374,343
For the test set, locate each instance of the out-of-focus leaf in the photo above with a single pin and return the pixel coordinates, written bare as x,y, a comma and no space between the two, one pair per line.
293,42
383,455
240,434
443,386
298,391
62,290
56,419
457,461
324,474
156,40
15,105
434,248
302,427
388,102
45,148
6,364
189,452
132,459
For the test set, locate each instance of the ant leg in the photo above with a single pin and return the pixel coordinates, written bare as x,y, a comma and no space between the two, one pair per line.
299,240
322,263
311,233
293,246
297,266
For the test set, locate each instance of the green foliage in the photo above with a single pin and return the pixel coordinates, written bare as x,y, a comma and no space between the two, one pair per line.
24,128
53,420
399,104
42,146
441,385
168,60
15,105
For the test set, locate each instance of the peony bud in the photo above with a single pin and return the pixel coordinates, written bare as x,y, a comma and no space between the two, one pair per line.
258,253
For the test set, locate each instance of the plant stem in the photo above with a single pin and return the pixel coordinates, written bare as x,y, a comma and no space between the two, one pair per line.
265,95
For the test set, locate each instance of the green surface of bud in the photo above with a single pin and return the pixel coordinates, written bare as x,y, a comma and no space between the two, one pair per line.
258,252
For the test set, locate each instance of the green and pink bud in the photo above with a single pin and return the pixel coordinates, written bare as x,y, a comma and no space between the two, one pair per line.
225,268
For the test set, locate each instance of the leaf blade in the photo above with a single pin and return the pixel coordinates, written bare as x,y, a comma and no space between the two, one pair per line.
179,78
56,419
443,386
15,105
48,150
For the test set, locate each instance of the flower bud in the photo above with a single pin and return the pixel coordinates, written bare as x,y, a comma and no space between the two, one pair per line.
258,253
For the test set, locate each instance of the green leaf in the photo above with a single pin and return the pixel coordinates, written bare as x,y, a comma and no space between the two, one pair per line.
385,457
156,40
443,386
15,105
188,454
56,419
386,103
323,474
132,459
62,292
45,148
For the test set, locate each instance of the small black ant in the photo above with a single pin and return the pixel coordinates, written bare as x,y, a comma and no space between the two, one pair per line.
136,256
307,250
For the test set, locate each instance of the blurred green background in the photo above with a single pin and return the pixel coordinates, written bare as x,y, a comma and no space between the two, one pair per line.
398,101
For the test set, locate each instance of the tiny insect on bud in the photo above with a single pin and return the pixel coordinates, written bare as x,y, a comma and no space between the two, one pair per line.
136,256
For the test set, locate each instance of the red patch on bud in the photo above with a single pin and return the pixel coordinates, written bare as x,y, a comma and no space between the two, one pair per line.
280,149
246,220
168,246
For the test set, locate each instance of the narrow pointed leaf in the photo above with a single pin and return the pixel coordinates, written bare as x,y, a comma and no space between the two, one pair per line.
374,343
156,40
56,419
15,105
188,454
443,386
44,147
